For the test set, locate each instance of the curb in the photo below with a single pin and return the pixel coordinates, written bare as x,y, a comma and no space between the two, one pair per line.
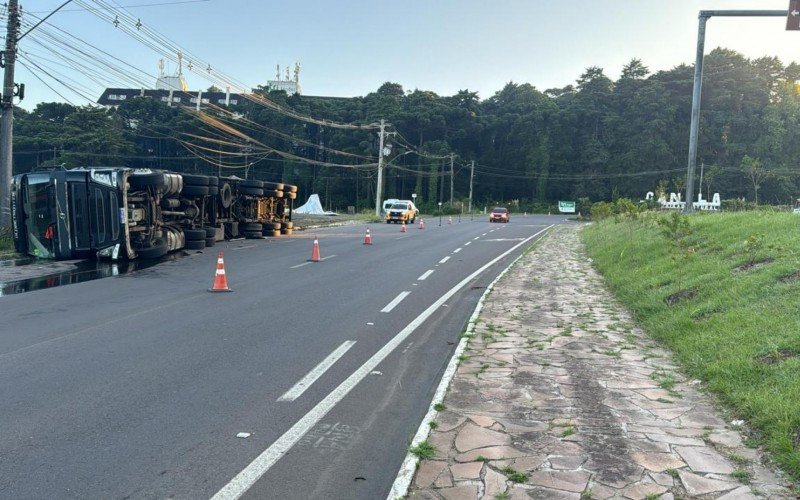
406,473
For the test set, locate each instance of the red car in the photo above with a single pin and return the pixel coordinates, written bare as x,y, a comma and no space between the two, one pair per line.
499,214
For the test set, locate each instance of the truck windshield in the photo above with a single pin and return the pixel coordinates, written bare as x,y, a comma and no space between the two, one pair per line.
40,223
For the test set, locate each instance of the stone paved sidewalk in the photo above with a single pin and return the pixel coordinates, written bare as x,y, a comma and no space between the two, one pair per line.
560,396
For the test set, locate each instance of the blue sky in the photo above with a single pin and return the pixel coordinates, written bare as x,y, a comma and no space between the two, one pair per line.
350,47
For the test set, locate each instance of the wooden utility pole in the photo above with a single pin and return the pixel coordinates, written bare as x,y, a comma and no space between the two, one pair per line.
471,177
7,119
451,180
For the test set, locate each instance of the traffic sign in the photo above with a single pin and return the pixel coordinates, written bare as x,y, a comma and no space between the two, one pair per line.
793,19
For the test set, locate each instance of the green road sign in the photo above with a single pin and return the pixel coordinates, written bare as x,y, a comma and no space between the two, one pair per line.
566,207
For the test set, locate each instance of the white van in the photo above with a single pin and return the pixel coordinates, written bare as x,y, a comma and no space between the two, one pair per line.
387,204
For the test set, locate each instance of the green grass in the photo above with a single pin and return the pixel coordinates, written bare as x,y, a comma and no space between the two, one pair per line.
6,243
423,451
740,332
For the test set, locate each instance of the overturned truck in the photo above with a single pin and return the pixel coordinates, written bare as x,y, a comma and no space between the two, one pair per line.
123,213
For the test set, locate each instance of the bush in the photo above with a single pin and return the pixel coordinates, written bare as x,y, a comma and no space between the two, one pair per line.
602,210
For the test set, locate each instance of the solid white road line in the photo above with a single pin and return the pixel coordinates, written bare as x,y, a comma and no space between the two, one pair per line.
425,275
456,250
444,260
391,305
239,485
311,377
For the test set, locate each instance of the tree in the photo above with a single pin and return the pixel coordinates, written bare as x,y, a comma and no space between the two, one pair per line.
754,171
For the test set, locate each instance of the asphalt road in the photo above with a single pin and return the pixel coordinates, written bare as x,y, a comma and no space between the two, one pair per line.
136,386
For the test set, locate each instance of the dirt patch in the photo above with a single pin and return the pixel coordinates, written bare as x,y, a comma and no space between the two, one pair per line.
676,297
791,278
775,357
751,266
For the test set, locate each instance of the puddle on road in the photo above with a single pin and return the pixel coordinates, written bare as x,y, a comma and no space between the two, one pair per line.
86,270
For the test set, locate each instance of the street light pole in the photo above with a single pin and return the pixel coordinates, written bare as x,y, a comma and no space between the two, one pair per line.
379,189
451,180
7,120
471,177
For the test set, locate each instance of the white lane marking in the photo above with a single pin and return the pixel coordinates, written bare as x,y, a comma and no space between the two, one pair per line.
456,250
316,372
242,482
391,305
309,262
484,234
425,275
477,238
505,239
467,243
444,260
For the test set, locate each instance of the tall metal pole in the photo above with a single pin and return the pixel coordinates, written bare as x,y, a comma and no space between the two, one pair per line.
379,189
7,120
471,176
698,85
451,180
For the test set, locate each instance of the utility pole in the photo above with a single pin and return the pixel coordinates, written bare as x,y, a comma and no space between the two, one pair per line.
471,176
379,189
7,120
451,180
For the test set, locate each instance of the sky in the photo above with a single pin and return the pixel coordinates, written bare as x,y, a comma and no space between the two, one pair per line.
350,47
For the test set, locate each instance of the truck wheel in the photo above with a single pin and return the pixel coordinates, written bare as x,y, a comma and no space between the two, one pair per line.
159,249
276,232
225,195
213,190
250,227
272,193
211,232
195,180
277,225
277,186
251,183
210,242
156,179
288,224
194,234
289,187
189,190
195,244
213,180
291,196
287,231
252,234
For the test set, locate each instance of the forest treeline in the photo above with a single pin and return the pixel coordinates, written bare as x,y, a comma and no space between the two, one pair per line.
599,139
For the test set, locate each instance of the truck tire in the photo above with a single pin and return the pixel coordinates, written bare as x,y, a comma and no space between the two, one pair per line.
225,195
211,232
287,231
276,232
159,249
252,234
195,244
210,242
291,196
250,227
251,191
213,190
189,190
155,179
213,180
251,183
194,234
278,186
290,188
272,193
195,180
288,224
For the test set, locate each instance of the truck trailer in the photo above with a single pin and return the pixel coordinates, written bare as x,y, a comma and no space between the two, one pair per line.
124,213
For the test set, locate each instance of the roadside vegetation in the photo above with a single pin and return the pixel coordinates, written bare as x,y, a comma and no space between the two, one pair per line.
722,291
6,244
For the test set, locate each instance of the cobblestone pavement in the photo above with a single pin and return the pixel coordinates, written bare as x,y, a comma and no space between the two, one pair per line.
560,396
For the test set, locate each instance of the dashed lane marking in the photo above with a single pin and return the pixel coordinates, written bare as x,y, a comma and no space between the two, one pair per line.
425,275
456,250
444,260
391,305
300,387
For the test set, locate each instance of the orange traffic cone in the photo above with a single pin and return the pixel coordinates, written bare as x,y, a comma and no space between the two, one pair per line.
403,229
368,238
422,223
315,251
450,219
220,280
